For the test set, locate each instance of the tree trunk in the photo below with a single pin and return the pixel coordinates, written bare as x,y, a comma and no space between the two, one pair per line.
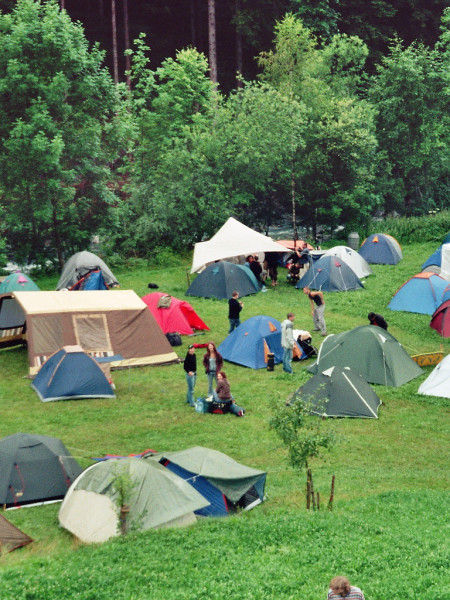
114,41
294,216
192,22
239,60
212,40
101,10
56,235
126,28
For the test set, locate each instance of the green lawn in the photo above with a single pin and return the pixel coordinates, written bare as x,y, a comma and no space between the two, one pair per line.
386,531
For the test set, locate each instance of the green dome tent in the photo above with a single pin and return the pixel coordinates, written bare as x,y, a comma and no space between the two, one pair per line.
338,392
370,351
18,282
155,496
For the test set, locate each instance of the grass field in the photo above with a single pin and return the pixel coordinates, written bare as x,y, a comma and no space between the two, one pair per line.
387,529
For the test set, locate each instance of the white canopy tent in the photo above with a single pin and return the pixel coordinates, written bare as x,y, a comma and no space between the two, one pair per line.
232,239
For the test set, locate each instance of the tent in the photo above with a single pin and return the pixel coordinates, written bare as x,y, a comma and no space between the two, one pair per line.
221,279
12,321
34,468
339,392
330,274
446,239
420,294
440,258
18,281
11,537
71,374
438,381
225,483
370,351
232,239
103,323
173,315
381,249
354,260
79,265
250,343
441,319
94,280
156,498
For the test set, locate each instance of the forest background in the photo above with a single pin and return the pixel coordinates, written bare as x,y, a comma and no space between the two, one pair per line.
339,112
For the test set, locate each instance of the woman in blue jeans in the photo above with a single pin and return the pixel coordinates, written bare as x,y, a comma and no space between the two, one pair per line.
212,361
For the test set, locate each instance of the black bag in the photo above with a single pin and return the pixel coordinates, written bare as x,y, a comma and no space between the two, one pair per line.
174,339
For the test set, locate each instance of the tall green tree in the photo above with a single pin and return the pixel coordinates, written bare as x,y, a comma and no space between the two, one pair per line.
411,94
60,132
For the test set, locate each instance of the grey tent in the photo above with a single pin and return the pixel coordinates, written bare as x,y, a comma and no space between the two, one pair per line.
370,351
339,392
330,274
156,498
11,537
221,279
225,483
34,468
79,265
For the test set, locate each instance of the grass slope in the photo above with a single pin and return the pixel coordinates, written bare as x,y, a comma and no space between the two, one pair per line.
391,497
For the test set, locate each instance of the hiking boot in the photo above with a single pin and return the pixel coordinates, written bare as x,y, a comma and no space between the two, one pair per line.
316,329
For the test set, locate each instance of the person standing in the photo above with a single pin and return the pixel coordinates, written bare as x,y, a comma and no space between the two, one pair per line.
234,308
341,589
212,361
287,341
190,367
317,310
271,258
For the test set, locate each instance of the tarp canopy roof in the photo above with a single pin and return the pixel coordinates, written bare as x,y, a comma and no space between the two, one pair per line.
232,239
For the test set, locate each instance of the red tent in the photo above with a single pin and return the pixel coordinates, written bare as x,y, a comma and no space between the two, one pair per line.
441,319
173,315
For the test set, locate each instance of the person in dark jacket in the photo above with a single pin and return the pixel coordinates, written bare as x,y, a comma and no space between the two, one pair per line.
378,320
234,308
212,361
190,367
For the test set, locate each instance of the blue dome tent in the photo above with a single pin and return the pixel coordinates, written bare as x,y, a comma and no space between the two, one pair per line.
381,249
422,294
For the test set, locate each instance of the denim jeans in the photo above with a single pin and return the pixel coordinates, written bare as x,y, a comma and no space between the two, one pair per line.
190,380
233,324
212,376
287,360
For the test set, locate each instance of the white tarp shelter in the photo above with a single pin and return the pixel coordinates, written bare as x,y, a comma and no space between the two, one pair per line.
438,381
232,239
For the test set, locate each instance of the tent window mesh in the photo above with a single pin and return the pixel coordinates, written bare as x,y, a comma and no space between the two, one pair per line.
91,332
47,334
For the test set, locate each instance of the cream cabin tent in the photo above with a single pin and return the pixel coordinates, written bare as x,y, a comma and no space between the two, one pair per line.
114,324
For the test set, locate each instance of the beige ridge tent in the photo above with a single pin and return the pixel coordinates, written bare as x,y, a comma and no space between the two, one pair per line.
11,537
104,323
232,239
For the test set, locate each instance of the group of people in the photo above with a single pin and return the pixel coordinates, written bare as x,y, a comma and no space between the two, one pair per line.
212,363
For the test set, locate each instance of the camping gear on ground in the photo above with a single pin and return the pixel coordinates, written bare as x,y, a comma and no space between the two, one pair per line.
221,279
34,468
93,280
173,314
103,323
441,319
79,265
381,249
155,497
304,340
370,351
174,338
270,361
421,294
338,392
225,483
354,260
17,281
250,343
232,239
438,381
11,537
71,374
330,274
428,359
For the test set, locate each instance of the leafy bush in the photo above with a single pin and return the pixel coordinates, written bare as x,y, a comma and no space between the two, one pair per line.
408,230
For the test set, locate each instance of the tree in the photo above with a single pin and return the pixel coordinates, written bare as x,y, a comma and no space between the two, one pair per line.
60,131
411,95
